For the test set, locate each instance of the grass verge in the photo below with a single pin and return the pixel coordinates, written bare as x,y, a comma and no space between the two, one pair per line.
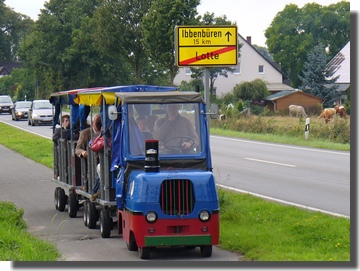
16,244
258,229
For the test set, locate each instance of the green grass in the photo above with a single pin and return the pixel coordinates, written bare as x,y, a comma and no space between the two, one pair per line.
16,244
258,229
267,231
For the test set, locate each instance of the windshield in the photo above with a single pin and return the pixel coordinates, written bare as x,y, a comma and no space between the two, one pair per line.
175,126
23,104
42,105
5,99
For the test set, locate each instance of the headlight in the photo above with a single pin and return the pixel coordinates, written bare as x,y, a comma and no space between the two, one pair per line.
35,115
151,216
204,215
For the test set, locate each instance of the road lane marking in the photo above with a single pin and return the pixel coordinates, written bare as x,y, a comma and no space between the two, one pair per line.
283,146
282,201
269,162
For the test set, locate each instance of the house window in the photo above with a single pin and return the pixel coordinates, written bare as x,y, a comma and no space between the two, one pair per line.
261,69
187,71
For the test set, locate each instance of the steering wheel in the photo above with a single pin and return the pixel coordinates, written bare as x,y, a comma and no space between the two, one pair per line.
175,144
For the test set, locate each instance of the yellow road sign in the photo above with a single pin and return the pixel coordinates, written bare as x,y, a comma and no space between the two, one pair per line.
206,45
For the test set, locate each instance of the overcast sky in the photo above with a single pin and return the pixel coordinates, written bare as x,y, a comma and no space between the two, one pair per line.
251,16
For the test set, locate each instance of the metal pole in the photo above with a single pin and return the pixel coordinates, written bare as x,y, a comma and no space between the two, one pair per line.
207,88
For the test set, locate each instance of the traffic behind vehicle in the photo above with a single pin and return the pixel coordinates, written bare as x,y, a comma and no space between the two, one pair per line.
5,104
20,110
40,112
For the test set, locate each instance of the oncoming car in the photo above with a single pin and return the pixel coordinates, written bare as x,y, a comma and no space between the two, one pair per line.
20,110
40,112
5,104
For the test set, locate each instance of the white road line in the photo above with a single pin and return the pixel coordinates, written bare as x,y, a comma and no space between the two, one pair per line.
282,201
269,162
283,146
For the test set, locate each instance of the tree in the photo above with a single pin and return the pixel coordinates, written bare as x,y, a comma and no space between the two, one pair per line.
119,32
253,90
158,30
315,76
295,31
13,28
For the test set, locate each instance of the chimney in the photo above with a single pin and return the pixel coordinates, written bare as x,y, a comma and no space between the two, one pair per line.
248,39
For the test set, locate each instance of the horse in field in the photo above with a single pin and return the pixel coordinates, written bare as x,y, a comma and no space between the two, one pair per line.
296,110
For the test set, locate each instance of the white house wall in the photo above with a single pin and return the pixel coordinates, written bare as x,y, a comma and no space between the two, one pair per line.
250,60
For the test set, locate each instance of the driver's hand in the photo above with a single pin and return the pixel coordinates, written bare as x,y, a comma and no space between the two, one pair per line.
186,145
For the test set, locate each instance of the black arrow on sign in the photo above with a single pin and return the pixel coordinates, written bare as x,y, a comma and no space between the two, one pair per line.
228,34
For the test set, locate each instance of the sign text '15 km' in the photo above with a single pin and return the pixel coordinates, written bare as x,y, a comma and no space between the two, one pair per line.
206,46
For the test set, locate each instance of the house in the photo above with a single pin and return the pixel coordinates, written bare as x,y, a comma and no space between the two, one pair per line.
340,66
7,67
280,101
251,65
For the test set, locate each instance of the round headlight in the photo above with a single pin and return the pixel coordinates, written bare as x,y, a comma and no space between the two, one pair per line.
151,216
204,215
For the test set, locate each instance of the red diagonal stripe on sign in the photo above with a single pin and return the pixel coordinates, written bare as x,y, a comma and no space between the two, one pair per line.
220,51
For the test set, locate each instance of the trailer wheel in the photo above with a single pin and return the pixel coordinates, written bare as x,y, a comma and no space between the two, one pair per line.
56,198
206,251
91,215
106,223
85,213
131,245
61,200
144,252
72,205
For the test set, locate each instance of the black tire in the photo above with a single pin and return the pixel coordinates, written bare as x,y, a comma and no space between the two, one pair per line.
106,223
91,215
206,251
56,198
131,245
61,200
73,205
85,213
144,253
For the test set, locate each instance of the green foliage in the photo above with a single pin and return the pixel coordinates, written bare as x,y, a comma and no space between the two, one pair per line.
18,245
158,30
253,90
301,29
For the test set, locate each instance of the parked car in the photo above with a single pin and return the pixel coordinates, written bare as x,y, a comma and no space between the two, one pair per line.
5,104
20,110
40,112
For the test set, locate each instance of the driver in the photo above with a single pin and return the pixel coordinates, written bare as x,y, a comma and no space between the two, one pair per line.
176,127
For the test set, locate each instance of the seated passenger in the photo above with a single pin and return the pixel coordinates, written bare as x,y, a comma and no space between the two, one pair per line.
143,126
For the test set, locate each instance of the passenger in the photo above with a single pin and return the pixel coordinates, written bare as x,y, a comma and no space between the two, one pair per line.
85,137
142,123
175,131
63,131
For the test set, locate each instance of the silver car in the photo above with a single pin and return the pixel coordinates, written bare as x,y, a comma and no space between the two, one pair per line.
40,112
5,104
20,110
